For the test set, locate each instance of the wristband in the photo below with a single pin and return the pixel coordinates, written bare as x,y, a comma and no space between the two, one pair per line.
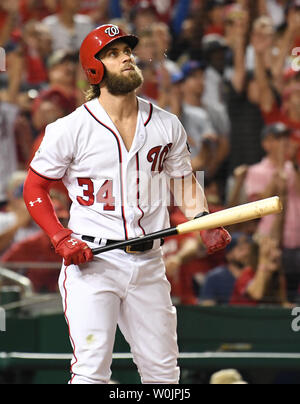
60,236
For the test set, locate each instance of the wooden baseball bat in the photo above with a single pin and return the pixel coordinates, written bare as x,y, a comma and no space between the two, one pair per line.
223,218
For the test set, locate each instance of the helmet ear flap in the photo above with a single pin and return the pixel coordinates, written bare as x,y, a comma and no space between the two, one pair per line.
95,76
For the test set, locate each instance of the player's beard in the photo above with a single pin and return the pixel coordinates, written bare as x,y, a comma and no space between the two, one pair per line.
118,84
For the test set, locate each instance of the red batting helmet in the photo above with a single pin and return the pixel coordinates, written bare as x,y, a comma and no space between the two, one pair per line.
94,43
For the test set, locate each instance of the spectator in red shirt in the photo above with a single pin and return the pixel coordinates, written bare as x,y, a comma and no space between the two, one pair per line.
178,250
219,282
197,268
278,98
37,9
48,107
263,282
63,70
186,259
27,64
36,49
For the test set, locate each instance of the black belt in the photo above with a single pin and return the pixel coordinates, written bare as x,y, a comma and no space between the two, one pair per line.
131,249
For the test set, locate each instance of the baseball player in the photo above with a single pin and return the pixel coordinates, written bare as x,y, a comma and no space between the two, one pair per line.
107,152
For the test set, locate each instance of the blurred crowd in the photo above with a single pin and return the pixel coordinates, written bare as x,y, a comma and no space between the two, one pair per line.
230,70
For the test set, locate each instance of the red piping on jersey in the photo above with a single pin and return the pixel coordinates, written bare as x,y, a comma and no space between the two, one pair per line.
121,173
68,323
150,115
43,176
138,192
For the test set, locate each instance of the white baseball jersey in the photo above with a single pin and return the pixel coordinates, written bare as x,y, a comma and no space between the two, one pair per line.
114,191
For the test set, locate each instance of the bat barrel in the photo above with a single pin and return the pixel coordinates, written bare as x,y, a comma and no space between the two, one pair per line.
237,214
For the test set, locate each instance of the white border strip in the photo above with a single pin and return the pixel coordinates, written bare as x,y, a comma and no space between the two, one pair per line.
186,355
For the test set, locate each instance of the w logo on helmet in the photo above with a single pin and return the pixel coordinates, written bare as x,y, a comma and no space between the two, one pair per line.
112,31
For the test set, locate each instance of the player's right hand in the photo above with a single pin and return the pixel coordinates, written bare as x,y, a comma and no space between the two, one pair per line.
74,252
215,239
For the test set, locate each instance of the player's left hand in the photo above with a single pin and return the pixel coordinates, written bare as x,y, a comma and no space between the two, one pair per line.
215,239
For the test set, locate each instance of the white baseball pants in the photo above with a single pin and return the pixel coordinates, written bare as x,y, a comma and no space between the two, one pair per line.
130,290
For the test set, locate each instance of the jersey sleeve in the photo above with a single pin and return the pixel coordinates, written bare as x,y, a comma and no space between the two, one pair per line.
55,152
178,163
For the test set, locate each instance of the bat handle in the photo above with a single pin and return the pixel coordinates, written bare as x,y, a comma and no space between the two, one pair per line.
138,240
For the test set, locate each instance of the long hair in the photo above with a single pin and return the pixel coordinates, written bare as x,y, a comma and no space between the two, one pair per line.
93,92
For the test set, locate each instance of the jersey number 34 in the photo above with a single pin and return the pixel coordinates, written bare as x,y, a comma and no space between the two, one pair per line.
104,195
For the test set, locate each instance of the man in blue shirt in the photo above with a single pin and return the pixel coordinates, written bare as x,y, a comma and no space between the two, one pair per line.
219,282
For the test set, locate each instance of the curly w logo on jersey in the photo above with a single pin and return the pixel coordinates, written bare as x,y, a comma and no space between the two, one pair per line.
157,156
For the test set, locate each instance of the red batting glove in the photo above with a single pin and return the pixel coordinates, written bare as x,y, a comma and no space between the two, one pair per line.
215,240
73,251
